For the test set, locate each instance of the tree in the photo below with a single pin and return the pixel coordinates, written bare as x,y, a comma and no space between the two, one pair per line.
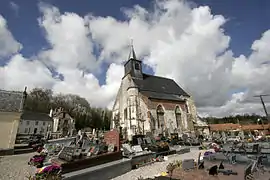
39,100
43,100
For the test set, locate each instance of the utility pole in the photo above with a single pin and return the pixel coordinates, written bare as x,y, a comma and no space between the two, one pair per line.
264,107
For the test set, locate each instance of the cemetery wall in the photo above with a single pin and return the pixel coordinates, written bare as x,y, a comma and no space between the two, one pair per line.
104,171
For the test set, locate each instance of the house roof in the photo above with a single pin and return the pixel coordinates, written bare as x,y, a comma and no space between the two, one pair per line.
34,116
10,101
160,88
224,127
230,126
255,127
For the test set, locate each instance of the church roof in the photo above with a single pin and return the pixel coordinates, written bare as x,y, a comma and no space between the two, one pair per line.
160,88
10,101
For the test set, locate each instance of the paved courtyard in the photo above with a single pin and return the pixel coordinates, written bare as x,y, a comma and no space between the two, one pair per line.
15,167
152,170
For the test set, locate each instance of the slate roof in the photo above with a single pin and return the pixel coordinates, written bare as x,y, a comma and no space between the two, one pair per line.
160,88
10,101
34,116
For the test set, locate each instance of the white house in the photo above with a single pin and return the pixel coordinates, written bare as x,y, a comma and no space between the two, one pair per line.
34,123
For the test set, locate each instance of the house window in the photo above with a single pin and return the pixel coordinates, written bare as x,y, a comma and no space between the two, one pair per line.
137,66
36,123
44,123
178,116
25,130
27,123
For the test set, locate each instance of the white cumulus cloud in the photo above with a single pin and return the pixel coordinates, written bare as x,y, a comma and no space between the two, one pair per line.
176,40
8,45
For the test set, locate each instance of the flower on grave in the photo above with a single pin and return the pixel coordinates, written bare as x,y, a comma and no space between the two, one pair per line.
37,159
50,169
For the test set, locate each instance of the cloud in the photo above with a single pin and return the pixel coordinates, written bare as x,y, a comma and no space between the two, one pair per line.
174,38
15,7
8,45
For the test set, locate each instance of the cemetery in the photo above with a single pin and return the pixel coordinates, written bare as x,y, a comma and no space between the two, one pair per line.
106,157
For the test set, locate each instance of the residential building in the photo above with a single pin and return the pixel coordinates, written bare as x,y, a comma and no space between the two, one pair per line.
234,129
35,123
201,127
151,104
63,123
11,107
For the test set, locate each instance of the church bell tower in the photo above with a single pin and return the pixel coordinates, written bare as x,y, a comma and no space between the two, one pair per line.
133,66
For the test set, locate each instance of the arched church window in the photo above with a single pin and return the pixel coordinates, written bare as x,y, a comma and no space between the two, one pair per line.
178,116
160,116
137,66
186,107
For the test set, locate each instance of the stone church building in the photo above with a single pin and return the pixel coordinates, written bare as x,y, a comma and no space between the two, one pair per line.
151,104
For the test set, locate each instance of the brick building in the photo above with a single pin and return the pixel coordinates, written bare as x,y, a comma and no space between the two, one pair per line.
153,104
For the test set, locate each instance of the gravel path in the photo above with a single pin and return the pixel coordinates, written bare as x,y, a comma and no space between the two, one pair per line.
152,170
15,167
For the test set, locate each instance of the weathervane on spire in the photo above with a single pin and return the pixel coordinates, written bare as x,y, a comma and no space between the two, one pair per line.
131,42
132,54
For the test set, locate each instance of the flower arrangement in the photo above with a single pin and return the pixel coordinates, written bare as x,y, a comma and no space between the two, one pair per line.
51,172
37,160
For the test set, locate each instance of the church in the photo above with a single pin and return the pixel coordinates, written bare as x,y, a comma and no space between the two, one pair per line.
151,104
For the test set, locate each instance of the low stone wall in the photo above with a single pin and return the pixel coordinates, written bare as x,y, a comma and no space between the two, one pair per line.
183,151
109,170
105,171
5,152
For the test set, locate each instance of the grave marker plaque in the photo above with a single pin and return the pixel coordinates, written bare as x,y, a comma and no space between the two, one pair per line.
67,153
112,137
188,164
110,147
148,140
137,148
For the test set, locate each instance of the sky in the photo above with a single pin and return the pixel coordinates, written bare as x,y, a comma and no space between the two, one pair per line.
218,51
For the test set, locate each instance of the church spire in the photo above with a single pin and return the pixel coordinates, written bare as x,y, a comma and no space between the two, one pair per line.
132,54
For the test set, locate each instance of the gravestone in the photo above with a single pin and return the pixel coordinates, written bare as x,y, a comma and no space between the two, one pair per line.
256,148
233,159
127,149
112,137
188,164
137,148
67,153
147,140
248,172
86,144
140,141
